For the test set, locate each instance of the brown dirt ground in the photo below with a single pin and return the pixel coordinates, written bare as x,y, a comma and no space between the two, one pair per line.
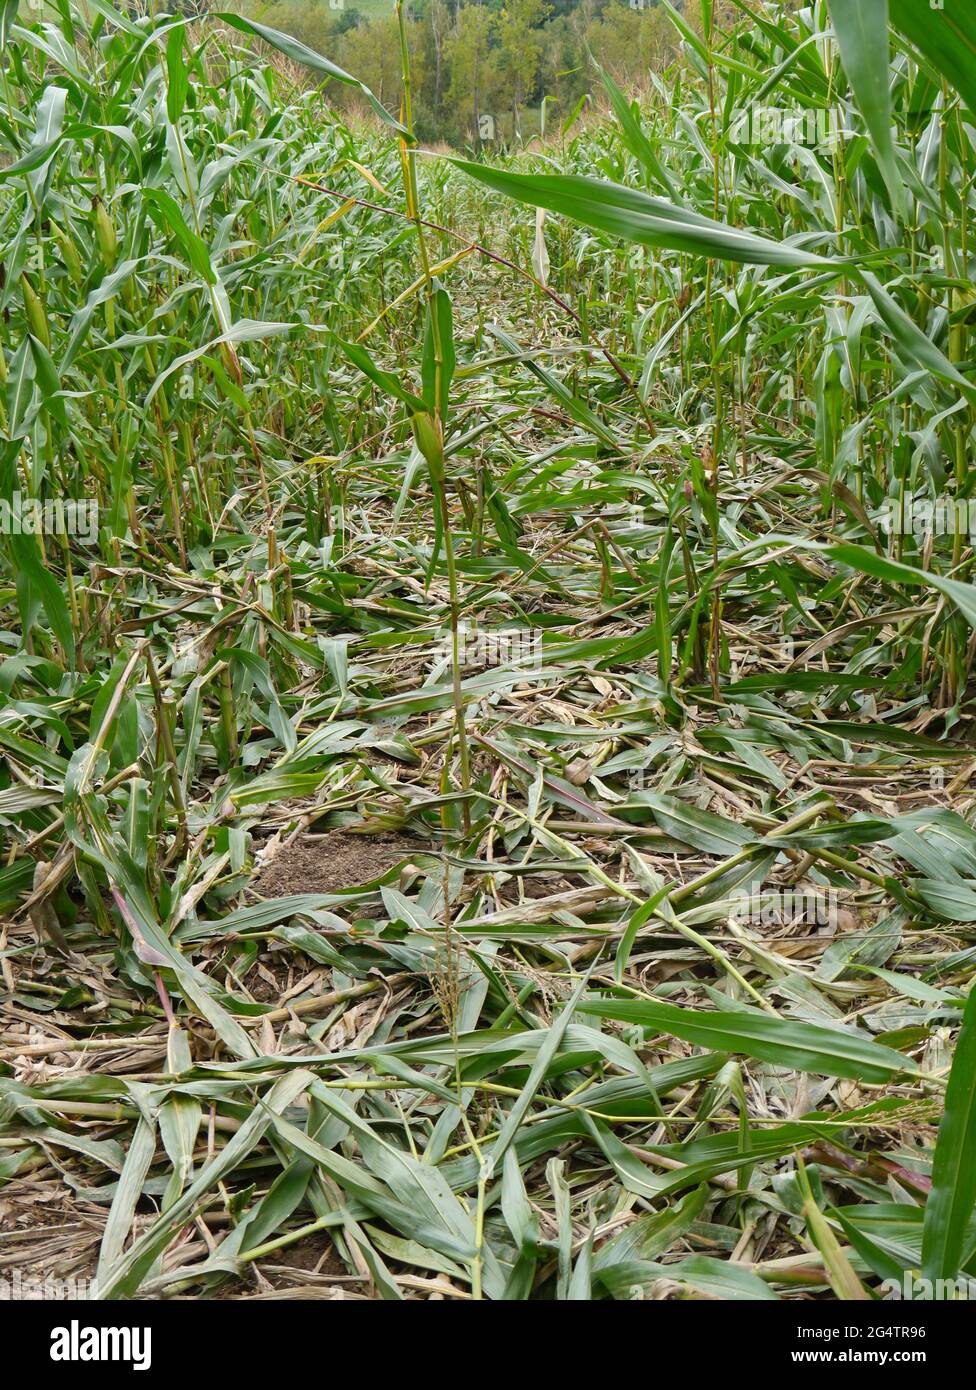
331,862
47,1233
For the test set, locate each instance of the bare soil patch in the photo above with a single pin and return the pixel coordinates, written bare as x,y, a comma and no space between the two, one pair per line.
329,863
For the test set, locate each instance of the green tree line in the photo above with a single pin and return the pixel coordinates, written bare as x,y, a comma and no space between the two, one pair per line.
482,72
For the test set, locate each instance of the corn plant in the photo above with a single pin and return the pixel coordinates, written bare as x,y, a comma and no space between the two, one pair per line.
486,691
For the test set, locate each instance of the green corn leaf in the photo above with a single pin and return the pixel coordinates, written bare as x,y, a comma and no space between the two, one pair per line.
781,1041
952,1199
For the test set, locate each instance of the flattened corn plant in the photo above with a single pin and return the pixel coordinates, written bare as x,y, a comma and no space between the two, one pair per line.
472,605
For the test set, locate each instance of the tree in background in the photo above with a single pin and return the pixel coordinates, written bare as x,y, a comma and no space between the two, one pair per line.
439,20
475,61
631,42
519,57
468,46
371,50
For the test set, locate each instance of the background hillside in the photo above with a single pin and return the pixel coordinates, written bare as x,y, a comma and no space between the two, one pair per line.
487,72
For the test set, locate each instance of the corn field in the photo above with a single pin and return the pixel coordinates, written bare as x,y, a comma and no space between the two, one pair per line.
487,678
